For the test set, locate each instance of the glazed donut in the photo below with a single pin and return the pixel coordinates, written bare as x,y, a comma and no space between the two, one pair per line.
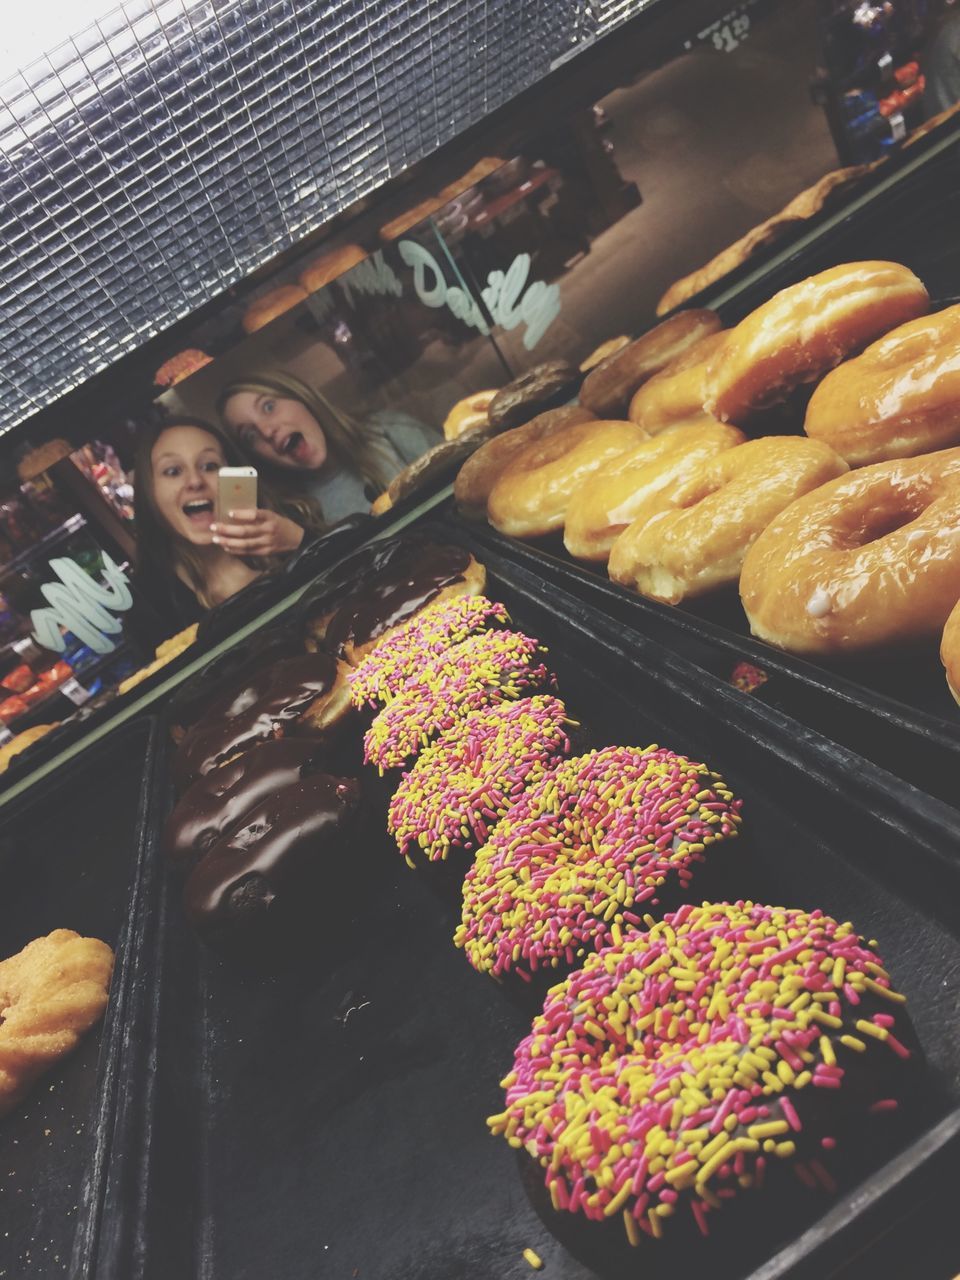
214,806
606,392
397,586
468,414
51,992
805,330
869,559
542,387
284,845
604,352
531,497
262,310
600,839
308,694
479,473
610,500
898,399
381,675
692,537
325,269
460,788
950,651
676,394
495,666
666,1074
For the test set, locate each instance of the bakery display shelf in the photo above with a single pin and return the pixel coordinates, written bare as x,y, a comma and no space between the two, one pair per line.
68,858
327,1118
897,713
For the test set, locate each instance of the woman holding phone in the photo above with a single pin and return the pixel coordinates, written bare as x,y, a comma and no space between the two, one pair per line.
309,446
187,552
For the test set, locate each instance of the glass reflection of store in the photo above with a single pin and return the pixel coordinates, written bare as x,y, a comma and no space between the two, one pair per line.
563,225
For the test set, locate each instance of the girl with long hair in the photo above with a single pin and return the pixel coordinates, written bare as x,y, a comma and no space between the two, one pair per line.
184,555
310,445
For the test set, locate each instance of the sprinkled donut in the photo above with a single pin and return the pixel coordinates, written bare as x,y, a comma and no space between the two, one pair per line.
664,1076
382,673
496,666
461,787
577,856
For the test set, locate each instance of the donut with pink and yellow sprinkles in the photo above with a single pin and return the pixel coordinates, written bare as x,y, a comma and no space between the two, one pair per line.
672,1071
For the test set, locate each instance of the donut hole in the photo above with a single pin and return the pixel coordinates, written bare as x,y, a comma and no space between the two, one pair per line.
881,520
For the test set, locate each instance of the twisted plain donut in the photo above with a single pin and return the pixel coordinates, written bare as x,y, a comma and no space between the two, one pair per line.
691,537
479,474
806,329
950,651
461,787
676,393
608,502
870,559
606,391
51,992
604,352
531,497
666,1074
900,398
600,838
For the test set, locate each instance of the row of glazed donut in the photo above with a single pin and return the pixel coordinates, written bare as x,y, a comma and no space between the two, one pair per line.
570,855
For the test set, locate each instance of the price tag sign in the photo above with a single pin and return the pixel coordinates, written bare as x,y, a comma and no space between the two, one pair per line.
727,33
75,691
5,735
898,126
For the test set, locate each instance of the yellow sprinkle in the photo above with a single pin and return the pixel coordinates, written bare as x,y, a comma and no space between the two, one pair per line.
726,1152
826,1050
871,1029
630,1226
618,1201
656,1226
885,992
533,1258
785,1072
853,1043
768,1130
784,1149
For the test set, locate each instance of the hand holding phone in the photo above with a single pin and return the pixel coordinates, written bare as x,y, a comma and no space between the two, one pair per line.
236,490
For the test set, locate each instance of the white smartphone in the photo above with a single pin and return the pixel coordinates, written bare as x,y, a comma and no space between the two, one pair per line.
237,488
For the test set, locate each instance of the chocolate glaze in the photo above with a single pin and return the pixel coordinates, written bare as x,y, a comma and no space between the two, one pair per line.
251,875
216,804
395,592
201,691
253,712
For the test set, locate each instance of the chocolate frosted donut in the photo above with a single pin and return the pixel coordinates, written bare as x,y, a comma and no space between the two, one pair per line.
217,803
542,387
392,595
310,689
607,391
248,879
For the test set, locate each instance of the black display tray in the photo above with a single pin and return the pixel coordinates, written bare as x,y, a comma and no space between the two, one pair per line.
69,860
328,1120
897,713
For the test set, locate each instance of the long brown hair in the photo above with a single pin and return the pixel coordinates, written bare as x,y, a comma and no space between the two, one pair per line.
351,443
163,555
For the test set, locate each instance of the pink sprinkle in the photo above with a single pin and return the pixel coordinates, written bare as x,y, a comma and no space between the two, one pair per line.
699,1210
790,1114
885,1104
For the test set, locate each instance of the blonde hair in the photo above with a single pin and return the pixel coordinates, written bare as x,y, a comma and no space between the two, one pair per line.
350,441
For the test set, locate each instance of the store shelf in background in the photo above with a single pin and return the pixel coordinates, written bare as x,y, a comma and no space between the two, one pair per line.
46,545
